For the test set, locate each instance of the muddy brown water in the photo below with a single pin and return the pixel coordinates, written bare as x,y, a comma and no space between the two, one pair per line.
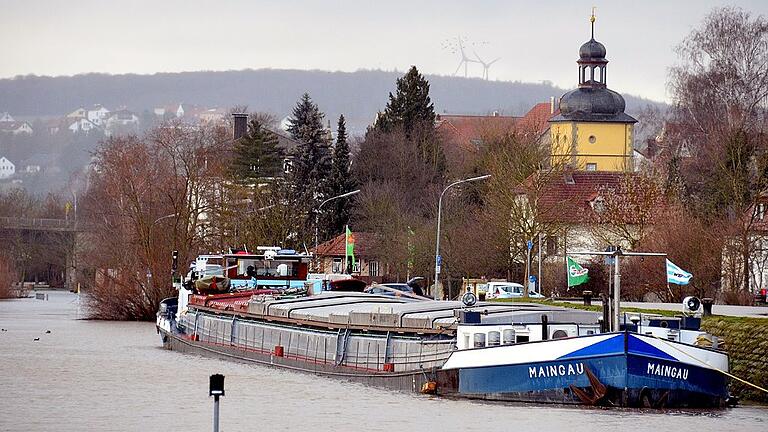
115,376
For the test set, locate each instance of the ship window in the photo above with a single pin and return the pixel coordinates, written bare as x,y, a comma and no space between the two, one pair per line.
509,337
592,139
591,167
521,339
479,340
559,334
494,338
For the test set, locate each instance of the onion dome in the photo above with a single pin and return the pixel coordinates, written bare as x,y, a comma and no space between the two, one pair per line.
592,100
592,103
592,50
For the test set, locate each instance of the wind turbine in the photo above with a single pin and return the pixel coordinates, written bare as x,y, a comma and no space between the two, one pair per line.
486,66
465,60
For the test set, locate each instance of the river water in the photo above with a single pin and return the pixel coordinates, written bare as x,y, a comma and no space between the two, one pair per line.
115,376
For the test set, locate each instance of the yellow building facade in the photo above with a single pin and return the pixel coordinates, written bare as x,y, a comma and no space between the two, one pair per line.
592,132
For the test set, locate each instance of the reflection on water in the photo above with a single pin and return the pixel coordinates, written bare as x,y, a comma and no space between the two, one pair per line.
94,375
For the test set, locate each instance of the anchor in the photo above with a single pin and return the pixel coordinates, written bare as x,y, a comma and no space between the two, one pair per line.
597,393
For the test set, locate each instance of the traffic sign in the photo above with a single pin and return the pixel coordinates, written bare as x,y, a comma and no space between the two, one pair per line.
532,279
530,245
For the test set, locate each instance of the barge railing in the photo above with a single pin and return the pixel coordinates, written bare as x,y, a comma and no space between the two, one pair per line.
360,351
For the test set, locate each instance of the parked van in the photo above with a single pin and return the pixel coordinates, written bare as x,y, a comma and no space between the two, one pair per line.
504,290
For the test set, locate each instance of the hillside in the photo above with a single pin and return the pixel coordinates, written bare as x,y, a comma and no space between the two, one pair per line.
357,95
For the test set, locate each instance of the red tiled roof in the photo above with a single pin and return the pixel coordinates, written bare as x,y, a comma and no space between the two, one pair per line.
567,197
337,245
466,130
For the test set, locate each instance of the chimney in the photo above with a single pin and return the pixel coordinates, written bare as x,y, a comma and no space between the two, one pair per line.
241,125
551,104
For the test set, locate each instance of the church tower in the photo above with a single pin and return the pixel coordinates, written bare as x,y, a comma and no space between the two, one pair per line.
592,131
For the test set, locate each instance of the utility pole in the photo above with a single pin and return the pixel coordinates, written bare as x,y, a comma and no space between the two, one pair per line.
526,282
538,278
614,303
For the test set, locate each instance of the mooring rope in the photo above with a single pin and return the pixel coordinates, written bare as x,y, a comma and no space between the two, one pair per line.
709,366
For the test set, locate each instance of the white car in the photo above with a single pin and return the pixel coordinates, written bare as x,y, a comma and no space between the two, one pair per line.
505,290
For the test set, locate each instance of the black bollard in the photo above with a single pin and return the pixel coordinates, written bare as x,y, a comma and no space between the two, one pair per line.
544,327
706,303
587,298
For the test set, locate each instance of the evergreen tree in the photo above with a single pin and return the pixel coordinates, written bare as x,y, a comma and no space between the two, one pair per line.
312,158
410,111
256,154
340,181
410,107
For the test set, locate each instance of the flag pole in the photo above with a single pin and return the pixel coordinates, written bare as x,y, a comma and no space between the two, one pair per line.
346,247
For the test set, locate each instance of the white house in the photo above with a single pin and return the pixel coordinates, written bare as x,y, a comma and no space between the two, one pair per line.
121,120
213,115
16,127
82,125
7,168
97,114
78,114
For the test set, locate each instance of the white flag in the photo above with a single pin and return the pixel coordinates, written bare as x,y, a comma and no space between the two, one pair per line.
676,275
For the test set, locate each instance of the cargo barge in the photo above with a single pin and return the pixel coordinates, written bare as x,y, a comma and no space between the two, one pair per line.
495,351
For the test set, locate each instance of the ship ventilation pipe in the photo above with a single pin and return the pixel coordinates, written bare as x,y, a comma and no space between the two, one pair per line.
544,327
241,125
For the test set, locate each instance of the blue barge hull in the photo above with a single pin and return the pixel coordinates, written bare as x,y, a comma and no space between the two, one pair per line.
620,369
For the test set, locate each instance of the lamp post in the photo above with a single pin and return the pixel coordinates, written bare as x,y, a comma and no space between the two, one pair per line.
438,259
151,229
317,211
164,217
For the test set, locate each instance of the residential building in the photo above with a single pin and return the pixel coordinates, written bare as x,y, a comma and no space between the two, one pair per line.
213,115
97,115
80,113
331,256
121,121
7,168
592,131
464,136
16,127
81,125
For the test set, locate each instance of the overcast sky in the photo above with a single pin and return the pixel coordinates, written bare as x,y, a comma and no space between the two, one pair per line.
536,40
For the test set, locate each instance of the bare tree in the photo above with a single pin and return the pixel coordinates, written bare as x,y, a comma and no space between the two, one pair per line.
720,90
516,210
147,197
628,210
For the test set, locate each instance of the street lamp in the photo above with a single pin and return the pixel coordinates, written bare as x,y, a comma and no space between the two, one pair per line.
317,211
438,259
164,217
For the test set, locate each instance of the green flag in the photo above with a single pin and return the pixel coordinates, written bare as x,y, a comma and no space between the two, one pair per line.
577,274
350,242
